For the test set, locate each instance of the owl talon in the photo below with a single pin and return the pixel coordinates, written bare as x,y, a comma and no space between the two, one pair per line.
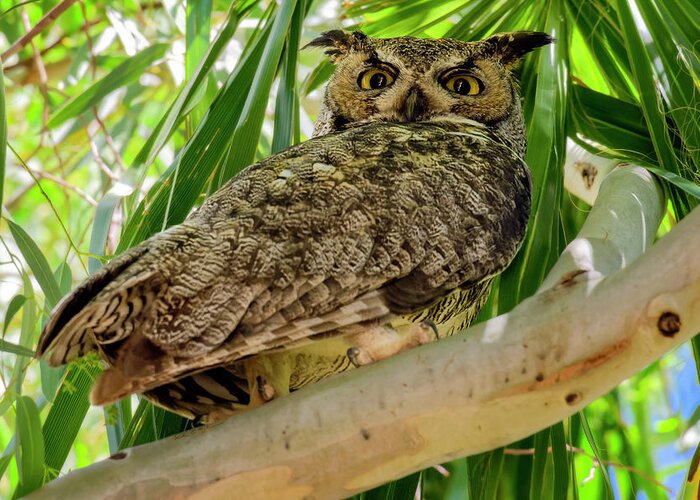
353,354
430,323
267,392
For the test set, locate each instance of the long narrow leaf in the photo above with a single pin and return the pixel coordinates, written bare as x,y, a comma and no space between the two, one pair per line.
19,350
245,136
3,133
127,72
540,461
26,336
197,42
67,413
560,457
596,451
37,263
12,308
30,447
493,473
676,78
198,159
650,101
166,126
545,156
287,106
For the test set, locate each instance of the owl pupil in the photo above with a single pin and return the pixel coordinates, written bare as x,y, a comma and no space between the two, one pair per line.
462,86
377,81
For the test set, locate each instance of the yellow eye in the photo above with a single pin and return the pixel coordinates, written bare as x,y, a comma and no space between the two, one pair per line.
375,79
464,85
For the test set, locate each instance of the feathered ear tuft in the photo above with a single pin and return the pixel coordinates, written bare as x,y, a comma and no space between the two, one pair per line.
510,47
339,43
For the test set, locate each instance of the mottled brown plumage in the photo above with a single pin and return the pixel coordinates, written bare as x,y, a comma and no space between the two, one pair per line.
411,198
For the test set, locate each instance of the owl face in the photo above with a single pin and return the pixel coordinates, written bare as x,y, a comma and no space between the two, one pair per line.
414,80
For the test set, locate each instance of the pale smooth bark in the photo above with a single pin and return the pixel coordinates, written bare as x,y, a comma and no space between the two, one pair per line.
592,325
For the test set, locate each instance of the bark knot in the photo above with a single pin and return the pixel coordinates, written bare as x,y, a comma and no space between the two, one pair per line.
669,324
573,398
569,278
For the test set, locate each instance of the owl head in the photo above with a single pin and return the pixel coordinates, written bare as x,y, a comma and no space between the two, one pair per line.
410,79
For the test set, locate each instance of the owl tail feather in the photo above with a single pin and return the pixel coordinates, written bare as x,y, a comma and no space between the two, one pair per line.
142,366
69,332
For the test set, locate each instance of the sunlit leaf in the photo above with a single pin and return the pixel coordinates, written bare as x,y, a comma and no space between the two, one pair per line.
193,167
601,463
19,350
245,136
286,130
13,307
650,100
67,413
691,485
37,263
395,490
197,43
560,458
127,72
30,447
541,454
3,134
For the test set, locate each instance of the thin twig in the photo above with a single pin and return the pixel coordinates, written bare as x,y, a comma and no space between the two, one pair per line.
574,449
43,23
65,184
96,153
46,196
93,67
43,86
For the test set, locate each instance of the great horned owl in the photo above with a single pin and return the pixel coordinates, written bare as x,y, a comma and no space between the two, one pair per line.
381,232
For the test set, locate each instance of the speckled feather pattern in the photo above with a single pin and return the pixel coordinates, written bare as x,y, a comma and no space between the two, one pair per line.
378,224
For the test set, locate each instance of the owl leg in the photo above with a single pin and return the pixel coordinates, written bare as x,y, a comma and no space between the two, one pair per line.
378,342
268,377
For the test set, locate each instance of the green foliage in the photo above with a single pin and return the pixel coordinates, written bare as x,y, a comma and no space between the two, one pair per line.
138,110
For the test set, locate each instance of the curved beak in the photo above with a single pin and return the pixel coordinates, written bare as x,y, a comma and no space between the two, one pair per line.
414,106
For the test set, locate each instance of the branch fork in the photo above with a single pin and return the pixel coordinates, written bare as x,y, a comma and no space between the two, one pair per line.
611,305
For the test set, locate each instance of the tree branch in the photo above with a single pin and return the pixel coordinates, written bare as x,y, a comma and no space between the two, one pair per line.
500,381
43,23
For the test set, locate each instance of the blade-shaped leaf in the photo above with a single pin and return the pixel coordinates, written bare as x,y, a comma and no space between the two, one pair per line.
64,278
650,100
197,42
37,263
675,77
596,451
6,346
691,486
286,130
193,167
30,447
67,413
245,136
117,418
12,308
395,490
560,457
545,157
127,72
540,461
3,133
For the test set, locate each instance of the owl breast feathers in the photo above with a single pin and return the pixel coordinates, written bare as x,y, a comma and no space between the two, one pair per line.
333,253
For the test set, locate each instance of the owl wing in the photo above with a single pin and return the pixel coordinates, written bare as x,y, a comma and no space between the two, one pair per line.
342,229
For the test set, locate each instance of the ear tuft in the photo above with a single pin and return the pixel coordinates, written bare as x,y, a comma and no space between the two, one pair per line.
338,42
510,47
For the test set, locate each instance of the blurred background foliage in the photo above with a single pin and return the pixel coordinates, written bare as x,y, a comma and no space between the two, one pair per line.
121,116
